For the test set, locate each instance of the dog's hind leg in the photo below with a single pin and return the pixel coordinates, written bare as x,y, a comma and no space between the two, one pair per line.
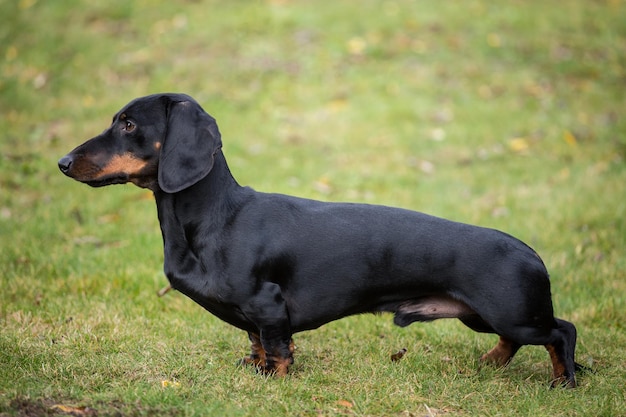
561,350
502,353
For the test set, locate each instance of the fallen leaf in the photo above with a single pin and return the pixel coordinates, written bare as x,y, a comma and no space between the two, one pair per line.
494,40
398,355
322,185
74,411
569,138
337,105
518,144
167,383
109,218
164,290
345,403
564,174
356,46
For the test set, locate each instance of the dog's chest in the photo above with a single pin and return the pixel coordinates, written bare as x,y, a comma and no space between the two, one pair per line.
206,286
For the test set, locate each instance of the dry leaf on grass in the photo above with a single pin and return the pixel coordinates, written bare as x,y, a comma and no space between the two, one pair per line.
73,411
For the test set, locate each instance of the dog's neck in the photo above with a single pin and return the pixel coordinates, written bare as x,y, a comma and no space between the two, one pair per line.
219,182
192,221
213,195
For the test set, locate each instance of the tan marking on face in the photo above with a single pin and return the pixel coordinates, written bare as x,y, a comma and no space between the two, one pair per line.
157,146
122,164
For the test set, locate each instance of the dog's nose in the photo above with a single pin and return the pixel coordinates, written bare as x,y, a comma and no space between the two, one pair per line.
65,163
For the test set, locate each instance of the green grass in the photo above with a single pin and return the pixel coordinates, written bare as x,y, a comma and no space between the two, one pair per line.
507,115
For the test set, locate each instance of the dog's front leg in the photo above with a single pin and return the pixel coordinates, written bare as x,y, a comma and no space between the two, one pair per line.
257,356
278,352
268,310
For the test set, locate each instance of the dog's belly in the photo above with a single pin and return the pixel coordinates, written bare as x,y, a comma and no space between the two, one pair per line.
407,311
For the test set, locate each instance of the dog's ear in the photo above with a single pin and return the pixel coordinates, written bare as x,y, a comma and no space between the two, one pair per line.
189,147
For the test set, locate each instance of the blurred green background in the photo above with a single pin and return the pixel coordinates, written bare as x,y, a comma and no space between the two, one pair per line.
504,114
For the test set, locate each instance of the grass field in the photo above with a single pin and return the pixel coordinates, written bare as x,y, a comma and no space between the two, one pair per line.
509,115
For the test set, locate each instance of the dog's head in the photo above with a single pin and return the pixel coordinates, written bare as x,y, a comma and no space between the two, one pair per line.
161,141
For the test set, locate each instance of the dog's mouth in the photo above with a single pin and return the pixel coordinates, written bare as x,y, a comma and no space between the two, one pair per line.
108,180
120,178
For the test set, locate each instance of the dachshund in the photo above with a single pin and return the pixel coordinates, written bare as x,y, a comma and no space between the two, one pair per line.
273,265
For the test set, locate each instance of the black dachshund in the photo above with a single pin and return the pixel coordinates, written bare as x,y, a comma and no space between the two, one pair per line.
274,265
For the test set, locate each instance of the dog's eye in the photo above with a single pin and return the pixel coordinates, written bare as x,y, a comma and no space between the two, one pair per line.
129,126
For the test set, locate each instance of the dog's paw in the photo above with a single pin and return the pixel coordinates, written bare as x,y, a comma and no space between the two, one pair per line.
251,361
